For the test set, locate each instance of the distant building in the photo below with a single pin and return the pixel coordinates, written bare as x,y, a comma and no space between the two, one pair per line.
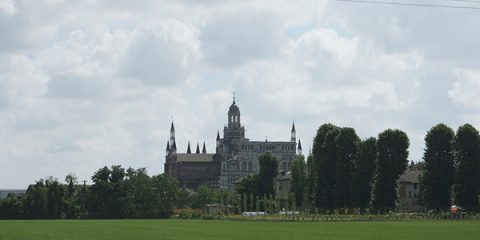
191,170
15,192
283,186
235,156
409,190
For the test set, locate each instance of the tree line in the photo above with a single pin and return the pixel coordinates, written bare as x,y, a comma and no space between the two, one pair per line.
115,193
343,172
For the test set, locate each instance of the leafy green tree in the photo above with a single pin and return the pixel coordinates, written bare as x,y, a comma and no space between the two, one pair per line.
71,201
55,198
467,161
324,161
165,190
392,162
437,174
346,147
268,171
100,199
204,196
36,200
364,169
183,198
11,208
299,179
310,181
248,185
139,197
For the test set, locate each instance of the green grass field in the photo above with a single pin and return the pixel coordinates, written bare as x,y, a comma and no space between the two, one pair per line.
203,229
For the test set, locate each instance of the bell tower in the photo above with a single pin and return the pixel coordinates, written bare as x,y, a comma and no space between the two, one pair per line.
234,129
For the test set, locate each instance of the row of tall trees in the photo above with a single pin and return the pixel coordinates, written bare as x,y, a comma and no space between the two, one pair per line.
115,193
451,168
344,172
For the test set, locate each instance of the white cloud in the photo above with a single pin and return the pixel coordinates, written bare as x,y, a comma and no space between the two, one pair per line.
162,54
8,6
466,89
85,84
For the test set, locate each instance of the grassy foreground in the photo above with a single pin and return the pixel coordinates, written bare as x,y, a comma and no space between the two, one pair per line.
203,229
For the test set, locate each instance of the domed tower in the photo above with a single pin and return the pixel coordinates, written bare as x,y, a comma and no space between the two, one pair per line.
234,129
234,132
234,115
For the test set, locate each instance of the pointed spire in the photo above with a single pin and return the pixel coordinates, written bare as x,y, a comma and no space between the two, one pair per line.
218,135
174,145
198,149
168,145
204,150
293,135
172,128
299,145
188,148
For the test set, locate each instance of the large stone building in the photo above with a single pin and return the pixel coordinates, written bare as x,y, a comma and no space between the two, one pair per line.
235,156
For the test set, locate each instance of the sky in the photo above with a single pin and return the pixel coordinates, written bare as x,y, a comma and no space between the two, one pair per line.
86,84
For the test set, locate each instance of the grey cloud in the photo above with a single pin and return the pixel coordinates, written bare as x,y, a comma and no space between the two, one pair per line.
72,86
231,40
155,60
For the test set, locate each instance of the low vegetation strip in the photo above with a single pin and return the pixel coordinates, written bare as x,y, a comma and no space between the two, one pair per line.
211,230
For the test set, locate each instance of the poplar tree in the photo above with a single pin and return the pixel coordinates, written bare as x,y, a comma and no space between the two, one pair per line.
346,151
467,161
299,179
438,171
324,154
392,162
364,169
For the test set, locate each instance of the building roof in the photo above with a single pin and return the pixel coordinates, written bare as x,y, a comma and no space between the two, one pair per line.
284,176
410,176
186,157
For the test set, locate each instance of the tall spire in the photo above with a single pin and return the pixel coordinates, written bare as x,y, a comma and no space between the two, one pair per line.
174,147
168,147
218,135
172,134
188,148
299,149
198,149
204,150
293,133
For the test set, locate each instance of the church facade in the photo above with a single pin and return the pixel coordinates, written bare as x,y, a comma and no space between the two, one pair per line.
235,156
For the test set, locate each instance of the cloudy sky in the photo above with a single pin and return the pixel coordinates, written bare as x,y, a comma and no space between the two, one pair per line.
84,84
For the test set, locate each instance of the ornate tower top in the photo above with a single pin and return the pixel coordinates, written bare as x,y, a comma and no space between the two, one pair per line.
234,129
234,114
